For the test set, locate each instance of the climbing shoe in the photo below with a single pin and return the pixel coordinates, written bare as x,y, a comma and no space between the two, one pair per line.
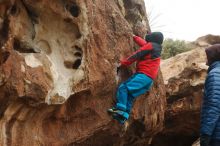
120,118
118,115
112,110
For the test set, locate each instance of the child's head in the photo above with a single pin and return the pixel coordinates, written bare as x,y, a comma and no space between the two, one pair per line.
156,37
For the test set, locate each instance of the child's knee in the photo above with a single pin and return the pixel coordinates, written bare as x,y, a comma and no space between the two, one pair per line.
122,87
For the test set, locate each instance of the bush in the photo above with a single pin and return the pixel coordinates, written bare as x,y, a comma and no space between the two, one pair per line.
173,47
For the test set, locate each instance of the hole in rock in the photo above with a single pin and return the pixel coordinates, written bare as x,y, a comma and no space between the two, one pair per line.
74,10
24,47
68,64
14,10
78,48
5,28
4,57
16,44
72,28
78,54
73,65
77,63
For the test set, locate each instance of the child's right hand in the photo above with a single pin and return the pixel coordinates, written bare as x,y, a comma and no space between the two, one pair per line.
120,66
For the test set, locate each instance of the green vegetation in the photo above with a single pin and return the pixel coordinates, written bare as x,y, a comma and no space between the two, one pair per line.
173,47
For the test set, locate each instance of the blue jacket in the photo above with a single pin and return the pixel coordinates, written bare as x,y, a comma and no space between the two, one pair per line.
210,114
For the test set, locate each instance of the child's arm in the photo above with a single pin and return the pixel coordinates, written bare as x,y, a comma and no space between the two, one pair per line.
143,51
141,42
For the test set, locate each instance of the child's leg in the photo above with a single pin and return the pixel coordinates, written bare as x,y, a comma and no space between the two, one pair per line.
122,95
129,103
137,86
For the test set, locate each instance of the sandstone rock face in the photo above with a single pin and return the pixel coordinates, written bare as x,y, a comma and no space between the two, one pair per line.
58,73
207,40
184,76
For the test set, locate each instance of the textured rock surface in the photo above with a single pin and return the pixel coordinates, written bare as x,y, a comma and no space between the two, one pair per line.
58,73
208,40
184,75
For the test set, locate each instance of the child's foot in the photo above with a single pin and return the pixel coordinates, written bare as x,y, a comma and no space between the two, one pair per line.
119,118
112,110
119,115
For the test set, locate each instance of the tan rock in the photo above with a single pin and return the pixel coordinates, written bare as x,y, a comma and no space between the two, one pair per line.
207,40
184,77
174,67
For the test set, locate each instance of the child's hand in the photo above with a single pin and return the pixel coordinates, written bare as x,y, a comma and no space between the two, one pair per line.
120,66
131,34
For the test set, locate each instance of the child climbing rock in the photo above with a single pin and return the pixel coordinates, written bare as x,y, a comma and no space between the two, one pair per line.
147,66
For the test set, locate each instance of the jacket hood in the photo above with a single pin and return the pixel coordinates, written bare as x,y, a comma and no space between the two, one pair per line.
156,37
213,54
